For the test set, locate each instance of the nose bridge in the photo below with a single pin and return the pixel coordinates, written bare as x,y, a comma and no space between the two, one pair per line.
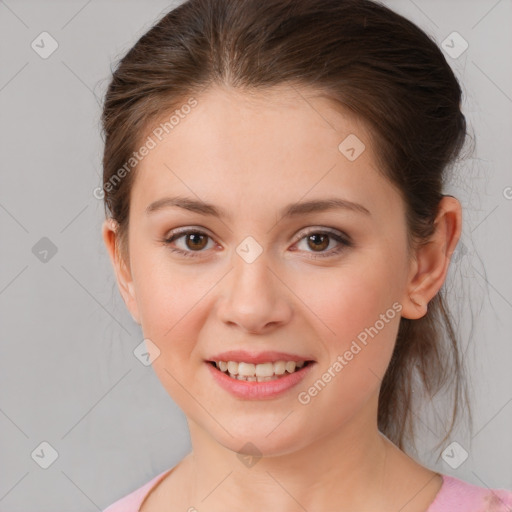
252,278
255,296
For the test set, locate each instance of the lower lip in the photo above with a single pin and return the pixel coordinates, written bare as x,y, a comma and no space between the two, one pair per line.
258,390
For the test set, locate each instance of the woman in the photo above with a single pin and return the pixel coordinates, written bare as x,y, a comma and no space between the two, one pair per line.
276,221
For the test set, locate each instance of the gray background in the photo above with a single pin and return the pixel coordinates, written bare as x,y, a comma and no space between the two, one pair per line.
68,373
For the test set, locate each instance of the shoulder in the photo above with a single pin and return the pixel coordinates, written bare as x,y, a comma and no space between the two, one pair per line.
131,502
457,495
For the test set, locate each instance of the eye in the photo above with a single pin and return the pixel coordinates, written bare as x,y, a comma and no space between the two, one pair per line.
320,239
194,241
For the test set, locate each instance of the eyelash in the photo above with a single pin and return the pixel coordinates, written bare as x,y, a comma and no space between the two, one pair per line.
344,242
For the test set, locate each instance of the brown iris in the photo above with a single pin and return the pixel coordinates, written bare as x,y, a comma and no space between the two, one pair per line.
195,237
323,243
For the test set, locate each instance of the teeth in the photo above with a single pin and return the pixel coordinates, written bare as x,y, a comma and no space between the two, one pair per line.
246,369
279,367
262,372
290,366
233,368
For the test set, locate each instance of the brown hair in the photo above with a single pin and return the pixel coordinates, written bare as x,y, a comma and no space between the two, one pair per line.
364,57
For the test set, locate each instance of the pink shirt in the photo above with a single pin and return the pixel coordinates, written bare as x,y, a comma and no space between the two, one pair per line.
455,495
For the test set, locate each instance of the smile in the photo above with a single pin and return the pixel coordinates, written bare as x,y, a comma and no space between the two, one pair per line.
262,372
262,381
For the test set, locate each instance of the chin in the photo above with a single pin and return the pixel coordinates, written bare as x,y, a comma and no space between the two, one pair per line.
257,442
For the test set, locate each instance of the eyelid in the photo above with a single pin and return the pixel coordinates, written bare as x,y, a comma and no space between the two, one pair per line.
302,233
321,229
187,229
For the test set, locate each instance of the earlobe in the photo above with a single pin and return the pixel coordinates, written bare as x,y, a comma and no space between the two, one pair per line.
414,305
121,269
430,266
420,307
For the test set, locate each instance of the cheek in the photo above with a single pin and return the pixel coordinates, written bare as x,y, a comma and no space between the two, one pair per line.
175,302
172,313
168,302
357,318
357,355
346,301
165,291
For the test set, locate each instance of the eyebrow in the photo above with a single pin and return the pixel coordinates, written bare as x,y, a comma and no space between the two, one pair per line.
292,210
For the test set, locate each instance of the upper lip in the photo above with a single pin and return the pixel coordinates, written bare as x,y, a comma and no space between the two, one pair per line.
257,357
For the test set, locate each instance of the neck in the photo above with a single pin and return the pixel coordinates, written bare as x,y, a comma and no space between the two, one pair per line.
341,470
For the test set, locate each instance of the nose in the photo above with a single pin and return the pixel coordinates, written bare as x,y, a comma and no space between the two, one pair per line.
254,297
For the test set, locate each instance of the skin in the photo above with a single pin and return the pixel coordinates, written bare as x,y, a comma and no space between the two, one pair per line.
252,155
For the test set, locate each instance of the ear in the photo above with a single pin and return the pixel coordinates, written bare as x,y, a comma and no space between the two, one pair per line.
121,269
431,262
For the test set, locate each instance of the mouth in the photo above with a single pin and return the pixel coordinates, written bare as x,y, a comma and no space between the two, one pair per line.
261,372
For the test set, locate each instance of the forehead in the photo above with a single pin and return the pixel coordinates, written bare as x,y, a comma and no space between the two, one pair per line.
248,147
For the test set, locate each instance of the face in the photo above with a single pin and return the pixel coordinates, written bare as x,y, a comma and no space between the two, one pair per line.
324,285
